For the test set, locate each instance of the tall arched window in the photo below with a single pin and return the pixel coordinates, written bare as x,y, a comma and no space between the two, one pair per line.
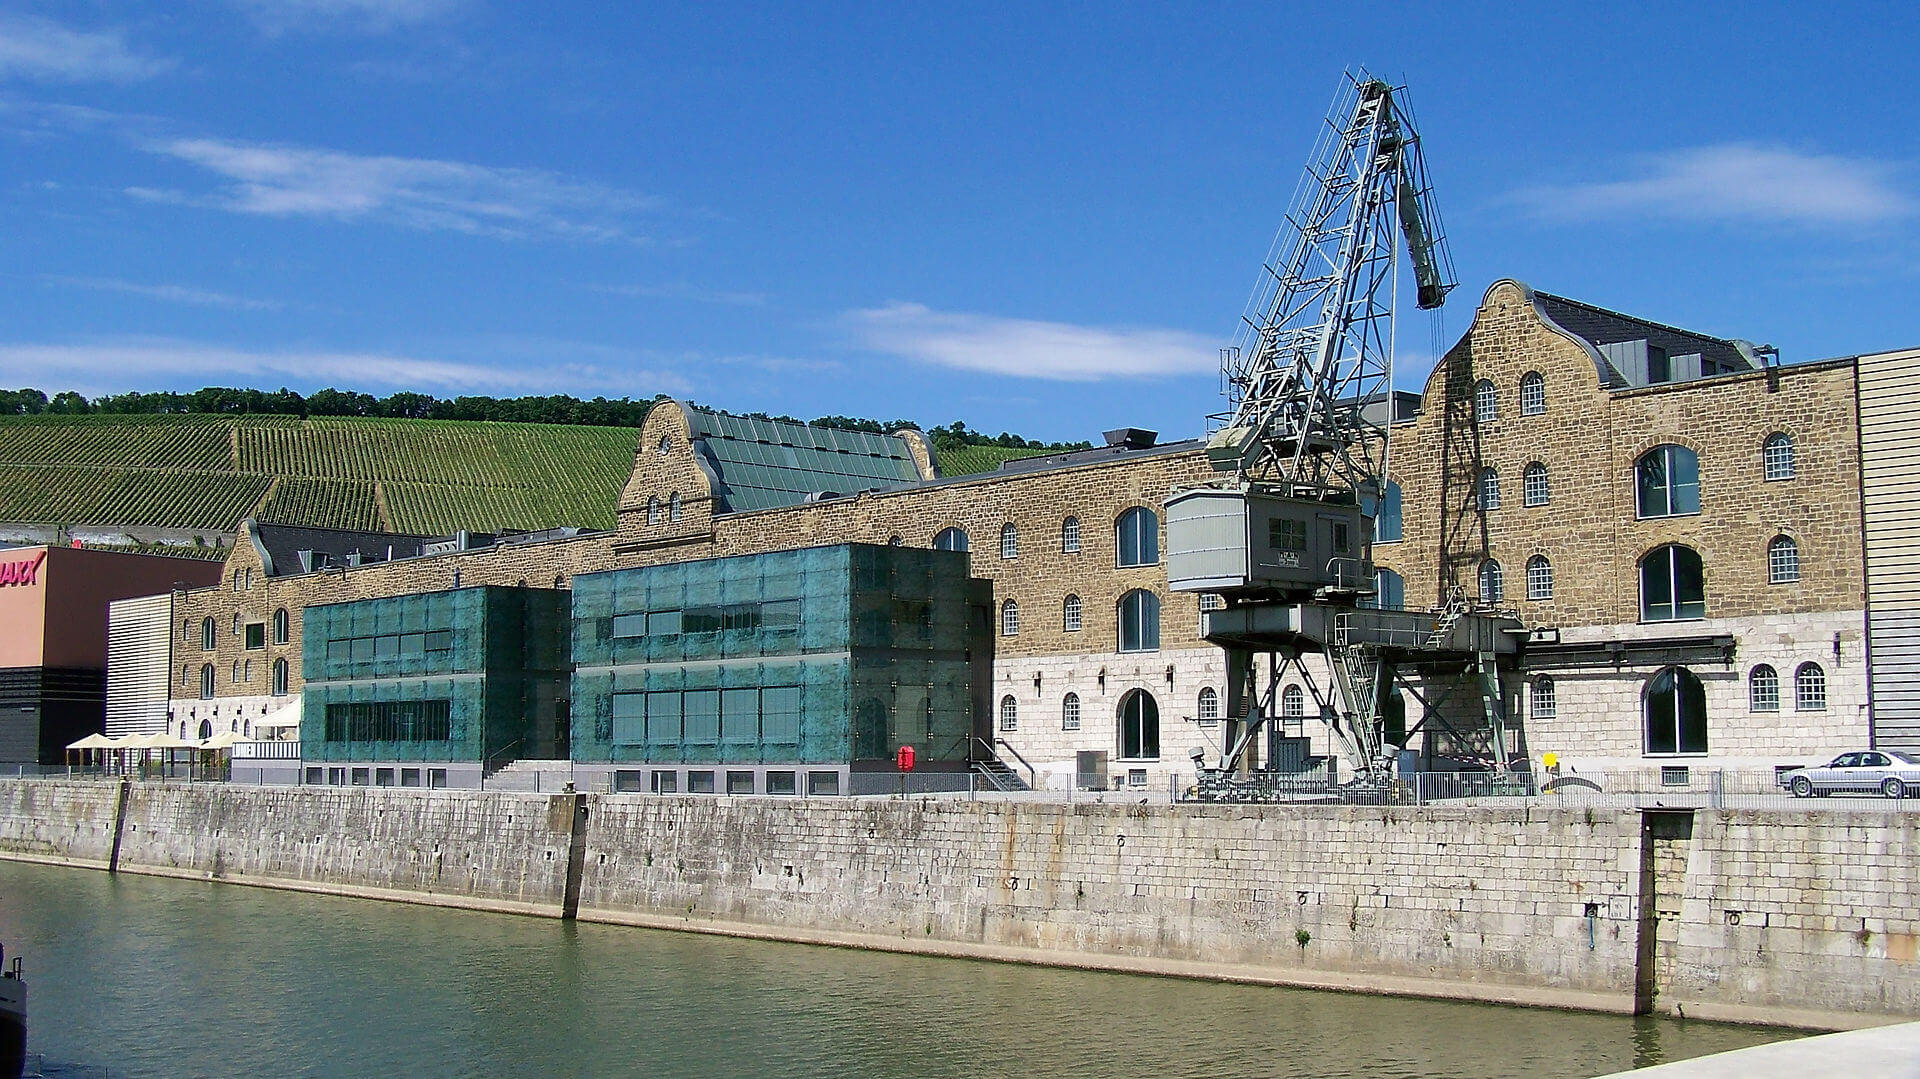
236,623
1070,712
1489,489
282,626
673,507
1667,482
1009,541
235,678
1139,621
1070,536
1009,713
654,515
1389,592
1542,698
1389,525
209,635
206,681
1673,585
951,539
236,580
1777,452
1539,578
1137,537
1070,614
1810,688
246,670
1534,490
1493,582
280,677
1009,619
1676,713
1486,402
1293,703
1763,689
1139,727
1783,560
1533,394
1209,710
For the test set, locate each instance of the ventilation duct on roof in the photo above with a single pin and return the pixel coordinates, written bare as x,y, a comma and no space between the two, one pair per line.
1131,438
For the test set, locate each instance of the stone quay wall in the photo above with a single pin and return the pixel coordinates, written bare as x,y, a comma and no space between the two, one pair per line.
1797,918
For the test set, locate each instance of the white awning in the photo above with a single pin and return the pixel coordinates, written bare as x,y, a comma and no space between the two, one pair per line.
287,715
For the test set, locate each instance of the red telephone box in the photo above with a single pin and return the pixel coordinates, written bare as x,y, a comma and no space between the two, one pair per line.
904,759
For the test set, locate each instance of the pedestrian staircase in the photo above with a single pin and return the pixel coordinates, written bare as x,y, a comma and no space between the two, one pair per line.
531,775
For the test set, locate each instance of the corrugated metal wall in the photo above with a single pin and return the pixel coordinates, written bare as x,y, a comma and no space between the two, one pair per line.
139,657
1889,389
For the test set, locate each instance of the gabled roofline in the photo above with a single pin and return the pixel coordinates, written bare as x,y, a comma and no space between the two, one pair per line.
1610,378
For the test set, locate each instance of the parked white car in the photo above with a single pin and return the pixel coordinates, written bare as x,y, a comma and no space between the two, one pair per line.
1883,770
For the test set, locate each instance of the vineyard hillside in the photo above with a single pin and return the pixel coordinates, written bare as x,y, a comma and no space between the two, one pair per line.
207,472
967,460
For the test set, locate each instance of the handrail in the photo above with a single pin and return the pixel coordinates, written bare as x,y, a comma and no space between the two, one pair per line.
486,764
1032,775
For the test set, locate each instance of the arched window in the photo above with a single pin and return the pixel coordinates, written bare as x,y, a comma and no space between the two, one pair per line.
206,729
1763,689
1783,560
236,624
1777,452
282,626
249,575
1139,621
1533,485
246,670
1667,482
1676,713
1533,394
1009,713
1009,541
1070,614
653,510
1486,402
206,681
1673,585
896,541
186,675
1810,688
1389,592
1070,712
1489,489
280,677
1209,711
208,635
1540,697
236,580
1139,727
1009,619
951,539
1070,536
666,446
1137,537
1539,578
235,679
673,507
1293,703
1493,582
1388,524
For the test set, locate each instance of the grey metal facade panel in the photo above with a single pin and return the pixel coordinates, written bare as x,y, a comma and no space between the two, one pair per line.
139,659
1888,388
1603,327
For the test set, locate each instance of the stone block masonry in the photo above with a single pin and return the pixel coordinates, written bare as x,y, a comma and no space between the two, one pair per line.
1797,918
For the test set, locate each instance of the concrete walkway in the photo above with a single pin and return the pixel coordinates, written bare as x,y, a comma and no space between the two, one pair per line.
1875,1053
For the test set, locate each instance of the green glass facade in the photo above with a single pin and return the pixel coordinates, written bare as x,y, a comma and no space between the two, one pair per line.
828,655
470,674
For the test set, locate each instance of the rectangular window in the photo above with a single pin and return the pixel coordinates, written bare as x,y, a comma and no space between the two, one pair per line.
629,625
362,649
740,716
780,783
666,783
336,777
700,620
386,647
409,777
439,640
700,716
256,635
663,718
413,644
1342,538
780,715
630,719
739,782
780,614
699,782
383,777
339,653
437,778
823,783
314,776
360,777
1284,535
389,721
661,623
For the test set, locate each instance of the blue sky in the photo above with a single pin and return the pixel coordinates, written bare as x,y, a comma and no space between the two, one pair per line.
1043,219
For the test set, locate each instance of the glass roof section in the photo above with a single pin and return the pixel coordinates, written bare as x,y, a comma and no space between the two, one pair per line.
766,463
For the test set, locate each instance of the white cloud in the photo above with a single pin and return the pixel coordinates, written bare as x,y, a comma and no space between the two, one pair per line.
168,293
276,16
143,363
295,181
1027,348
1736,182
39,49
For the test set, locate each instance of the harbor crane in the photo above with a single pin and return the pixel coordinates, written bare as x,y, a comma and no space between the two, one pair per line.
1283,536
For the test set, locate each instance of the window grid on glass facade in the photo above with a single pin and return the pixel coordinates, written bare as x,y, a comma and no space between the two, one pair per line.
1783,560
389,721
1070,712
1009,619
1533,394
1493,581
1009,541
1486,402
1137,538
1672,585
1139,621
1676,713
1541,697
1070,614
1539,578
1777,452
1209,709
1763,689
1534,490
1489,489
1070,535
1667,482
1810,688
1009,713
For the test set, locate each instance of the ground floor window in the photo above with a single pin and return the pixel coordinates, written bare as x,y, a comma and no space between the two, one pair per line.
1676,713
1139,726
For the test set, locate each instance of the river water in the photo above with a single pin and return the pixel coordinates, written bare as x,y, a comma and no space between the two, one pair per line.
138,976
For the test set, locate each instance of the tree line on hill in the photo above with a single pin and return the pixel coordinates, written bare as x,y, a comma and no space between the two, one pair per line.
553,408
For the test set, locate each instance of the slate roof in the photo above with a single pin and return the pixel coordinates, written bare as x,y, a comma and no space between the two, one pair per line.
283,544
760,464
1600,326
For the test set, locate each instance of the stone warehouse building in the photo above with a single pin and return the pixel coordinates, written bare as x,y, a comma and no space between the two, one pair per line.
1676,517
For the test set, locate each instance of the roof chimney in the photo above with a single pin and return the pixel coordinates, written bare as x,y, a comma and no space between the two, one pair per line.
1131,438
